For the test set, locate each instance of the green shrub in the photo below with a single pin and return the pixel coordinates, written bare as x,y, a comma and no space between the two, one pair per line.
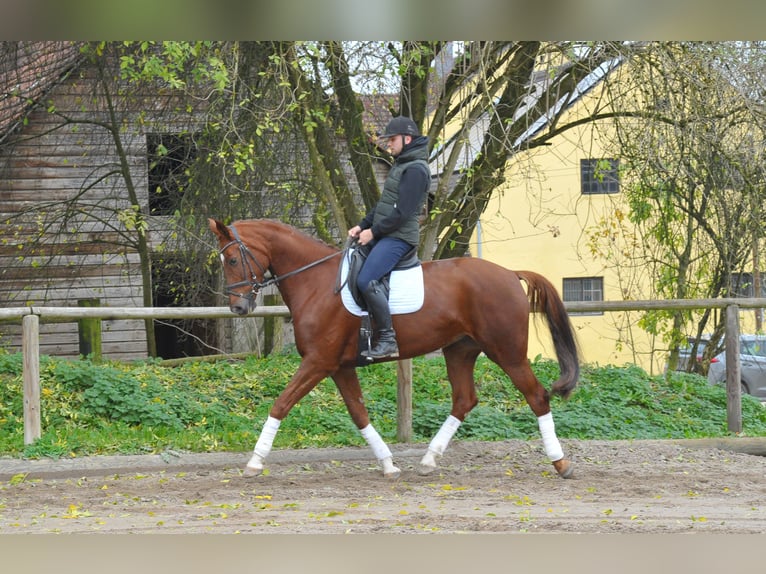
90,408
11,363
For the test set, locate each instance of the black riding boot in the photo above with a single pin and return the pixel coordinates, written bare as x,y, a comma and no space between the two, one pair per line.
377,306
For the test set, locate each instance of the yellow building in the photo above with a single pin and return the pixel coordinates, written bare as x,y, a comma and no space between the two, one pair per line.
561,210
553,199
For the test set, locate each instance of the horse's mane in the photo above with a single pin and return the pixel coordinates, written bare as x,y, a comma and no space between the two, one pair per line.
288,228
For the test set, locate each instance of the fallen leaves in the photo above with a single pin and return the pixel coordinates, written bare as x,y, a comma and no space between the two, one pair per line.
18,478
75,511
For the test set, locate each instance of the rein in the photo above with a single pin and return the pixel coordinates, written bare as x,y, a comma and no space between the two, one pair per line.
246,257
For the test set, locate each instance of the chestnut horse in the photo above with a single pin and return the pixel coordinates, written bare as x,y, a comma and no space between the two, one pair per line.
470,306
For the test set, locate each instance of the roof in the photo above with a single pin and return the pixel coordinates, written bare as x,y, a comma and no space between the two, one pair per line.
27,71
537,88
377,112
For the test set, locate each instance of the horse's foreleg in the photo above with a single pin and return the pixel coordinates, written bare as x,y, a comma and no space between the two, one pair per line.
439,444
262,447
306,378
460,359
347,382
381,451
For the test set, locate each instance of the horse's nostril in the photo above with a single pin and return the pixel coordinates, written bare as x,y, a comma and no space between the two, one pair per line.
239,309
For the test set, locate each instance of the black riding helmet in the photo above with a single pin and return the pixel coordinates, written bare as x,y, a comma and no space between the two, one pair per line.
401,125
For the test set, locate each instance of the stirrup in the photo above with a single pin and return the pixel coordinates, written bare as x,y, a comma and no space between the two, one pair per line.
387,349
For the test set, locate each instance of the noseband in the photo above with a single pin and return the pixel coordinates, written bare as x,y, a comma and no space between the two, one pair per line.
248,260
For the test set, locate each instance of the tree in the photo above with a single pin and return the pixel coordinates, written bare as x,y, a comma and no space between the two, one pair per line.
482,108
692,175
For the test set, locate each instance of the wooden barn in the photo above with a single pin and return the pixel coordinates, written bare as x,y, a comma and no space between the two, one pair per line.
67,191
78,153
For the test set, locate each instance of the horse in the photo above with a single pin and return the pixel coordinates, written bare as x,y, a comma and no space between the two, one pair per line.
470,306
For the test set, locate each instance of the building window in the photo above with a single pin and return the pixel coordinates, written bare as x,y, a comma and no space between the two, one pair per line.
584,289
599,176
170,156
743,285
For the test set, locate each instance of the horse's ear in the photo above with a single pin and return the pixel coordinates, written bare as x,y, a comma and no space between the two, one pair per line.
219,228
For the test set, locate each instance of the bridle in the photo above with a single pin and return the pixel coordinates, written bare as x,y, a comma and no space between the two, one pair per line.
249,264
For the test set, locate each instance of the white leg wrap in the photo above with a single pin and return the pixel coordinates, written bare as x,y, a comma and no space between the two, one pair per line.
263,446
440,442
379,448
381,451
550,441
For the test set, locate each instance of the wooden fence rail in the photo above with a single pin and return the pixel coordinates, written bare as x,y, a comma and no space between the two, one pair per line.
30,334
30,318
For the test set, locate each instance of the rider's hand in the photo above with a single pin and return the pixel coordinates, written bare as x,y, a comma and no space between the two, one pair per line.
365,236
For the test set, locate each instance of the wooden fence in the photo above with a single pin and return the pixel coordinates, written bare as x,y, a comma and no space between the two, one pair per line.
30,318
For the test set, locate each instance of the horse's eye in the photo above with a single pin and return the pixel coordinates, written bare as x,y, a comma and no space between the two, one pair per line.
233,261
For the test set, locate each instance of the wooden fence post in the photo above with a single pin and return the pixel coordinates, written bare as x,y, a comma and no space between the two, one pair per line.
404,400
733,371
30,349
89,331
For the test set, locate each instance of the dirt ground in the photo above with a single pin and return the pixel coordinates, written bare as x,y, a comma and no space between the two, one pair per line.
498,487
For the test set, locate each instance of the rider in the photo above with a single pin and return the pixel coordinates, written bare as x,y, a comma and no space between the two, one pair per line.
392,227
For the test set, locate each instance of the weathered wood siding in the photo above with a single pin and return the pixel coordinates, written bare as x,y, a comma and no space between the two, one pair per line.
60,156
50,162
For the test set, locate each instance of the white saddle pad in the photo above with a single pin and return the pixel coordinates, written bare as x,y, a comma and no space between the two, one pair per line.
406,291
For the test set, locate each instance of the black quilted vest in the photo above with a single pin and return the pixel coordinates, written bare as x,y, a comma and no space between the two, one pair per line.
412,158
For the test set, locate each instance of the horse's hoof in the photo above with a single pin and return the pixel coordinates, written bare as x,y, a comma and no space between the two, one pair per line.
251,471
427,463
425,470
392,474
564,467
254,466
389,470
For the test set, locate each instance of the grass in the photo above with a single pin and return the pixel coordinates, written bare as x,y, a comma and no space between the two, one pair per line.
145,407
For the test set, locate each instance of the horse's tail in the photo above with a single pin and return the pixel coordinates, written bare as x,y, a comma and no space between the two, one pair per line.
544,298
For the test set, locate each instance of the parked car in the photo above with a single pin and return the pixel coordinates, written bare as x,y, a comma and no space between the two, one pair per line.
752,359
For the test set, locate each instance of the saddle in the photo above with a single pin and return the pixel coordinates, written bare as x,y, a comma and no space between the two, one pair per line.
356,258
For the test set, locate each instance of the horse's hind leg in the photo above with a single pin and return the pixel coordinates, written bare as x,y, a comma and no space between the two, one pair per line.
348,384
537,398
460,358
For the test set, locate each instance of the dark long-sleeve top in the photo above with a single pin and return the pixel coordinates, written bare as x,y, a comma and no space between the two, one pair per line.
412,189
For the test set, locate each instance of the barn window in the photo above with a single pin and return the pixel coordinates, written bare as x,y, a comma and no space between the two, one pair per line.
170,156
584,289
